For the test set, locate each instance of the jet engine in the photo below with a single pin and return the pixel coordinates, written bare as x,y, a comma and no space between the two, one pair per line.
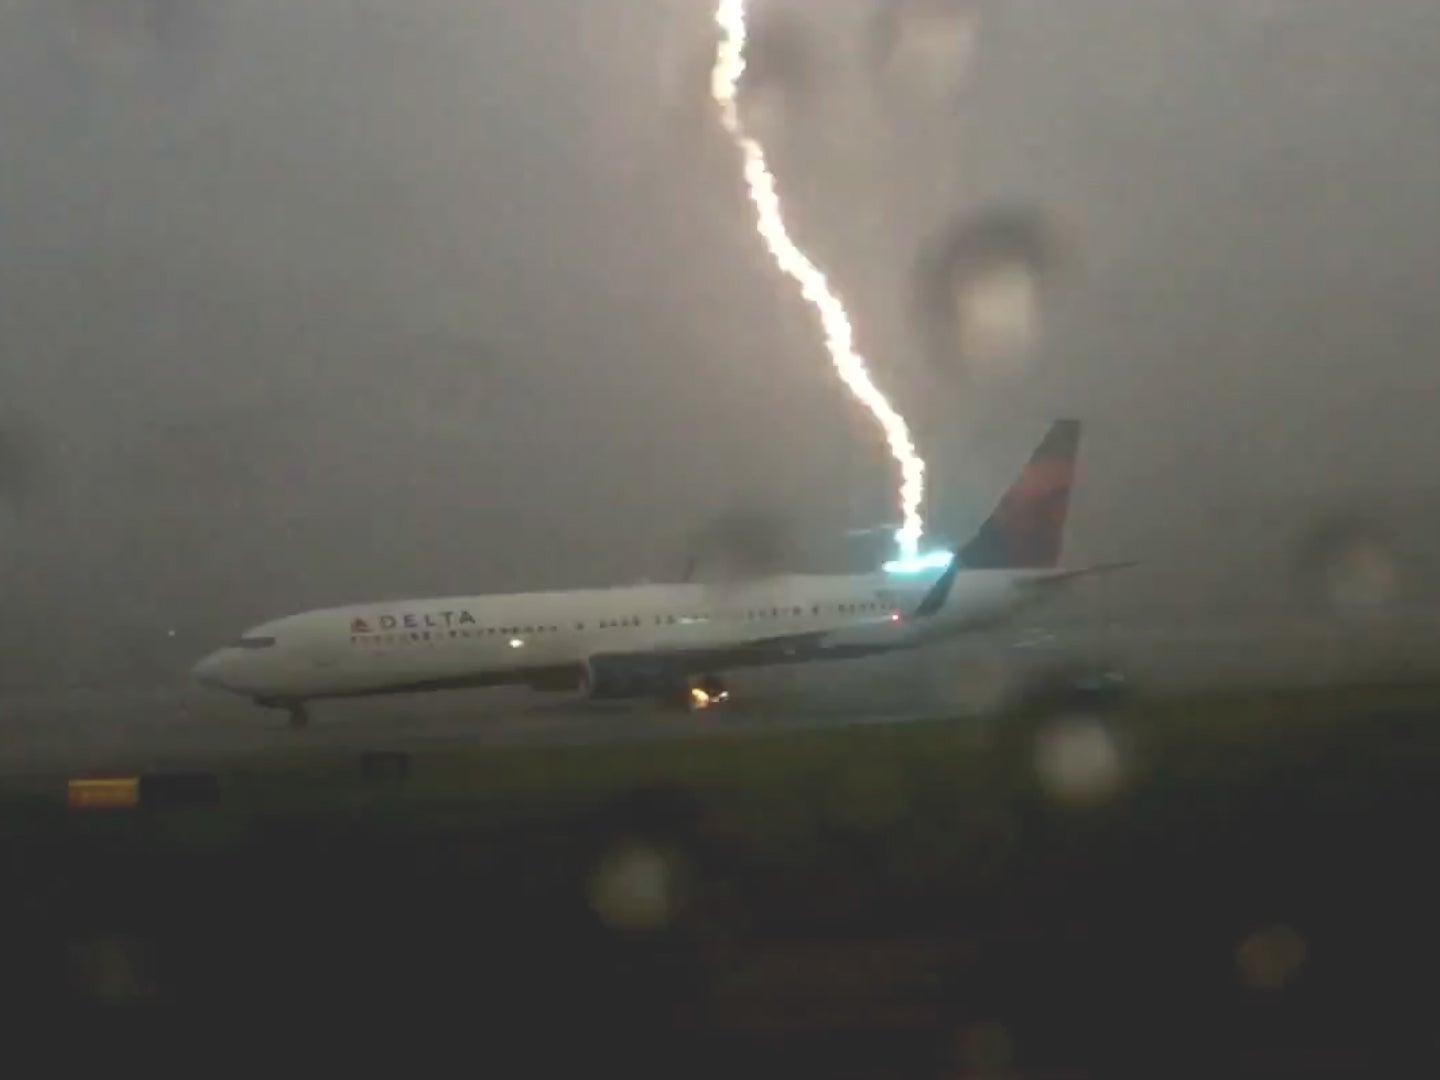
602,680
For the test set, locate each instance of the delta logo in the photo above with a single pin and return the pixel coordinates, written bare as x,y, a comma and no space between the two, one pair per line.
432,620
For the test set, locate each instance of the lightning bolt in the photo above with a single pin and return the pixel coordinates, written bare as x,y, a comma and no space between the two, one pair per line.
835,322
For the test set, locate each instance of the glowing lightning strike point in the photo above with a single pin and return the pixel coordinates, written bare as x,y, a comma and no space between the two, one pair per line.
839,334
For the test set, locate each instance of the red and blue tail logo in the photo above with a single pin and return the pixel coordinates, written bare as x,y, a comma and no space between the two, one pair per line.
1027,529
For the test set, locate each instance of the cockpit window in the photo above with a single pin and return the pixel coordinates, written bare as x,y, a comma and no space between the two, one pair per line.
255,642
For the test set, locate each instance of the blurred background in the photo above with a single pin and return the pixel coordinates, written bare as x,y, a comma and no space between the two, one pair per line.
311,303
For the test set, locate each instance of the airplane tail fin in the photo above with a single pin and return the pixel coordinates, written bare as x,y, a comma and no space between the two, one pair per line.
1027,529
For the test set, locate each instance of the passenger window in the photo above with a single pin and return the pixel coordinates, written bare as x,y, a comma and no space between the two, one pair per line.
255,643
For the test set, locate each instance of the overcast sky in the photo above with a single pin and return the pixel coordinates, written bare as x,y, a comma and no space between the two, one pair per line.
303,303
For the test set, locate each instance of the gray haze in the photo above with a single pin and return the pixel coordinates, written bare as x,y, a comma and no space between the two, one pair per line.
303,303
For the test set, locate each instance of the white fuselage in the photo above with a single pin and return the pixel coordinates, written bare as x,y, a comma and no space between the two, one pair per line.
528,637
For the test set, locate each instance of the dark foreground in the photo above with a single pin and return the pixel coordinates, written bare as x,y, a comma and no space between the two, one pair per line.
1236,886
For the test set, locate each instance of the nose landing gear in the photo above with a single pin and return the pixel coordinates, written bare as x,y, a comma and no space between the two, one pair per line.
299,715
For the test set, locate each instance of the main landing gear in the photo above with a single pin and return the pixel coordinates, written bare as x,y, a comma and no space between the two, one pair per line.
698,694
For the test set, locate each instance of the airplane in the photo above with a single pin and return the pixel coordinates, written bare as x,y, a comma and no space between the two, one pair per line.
672,643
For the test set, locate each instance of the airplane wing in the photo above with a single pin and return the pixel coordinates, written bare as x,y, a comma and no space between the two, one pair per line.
699,659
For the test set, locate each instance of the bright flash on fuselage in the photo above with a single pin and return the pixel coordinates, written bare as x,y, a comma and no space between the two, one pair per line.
919,563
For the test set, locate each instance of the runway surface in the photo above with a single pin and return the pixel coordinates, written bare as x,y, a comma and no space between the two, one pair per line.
104,728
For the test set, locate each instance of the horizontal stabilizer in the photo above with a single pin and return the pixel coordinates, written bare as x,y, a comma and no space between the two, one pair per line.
1059,576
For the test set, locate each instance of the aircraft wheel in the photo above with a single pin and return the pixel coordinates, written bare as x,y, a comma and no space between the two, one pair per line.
697,695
